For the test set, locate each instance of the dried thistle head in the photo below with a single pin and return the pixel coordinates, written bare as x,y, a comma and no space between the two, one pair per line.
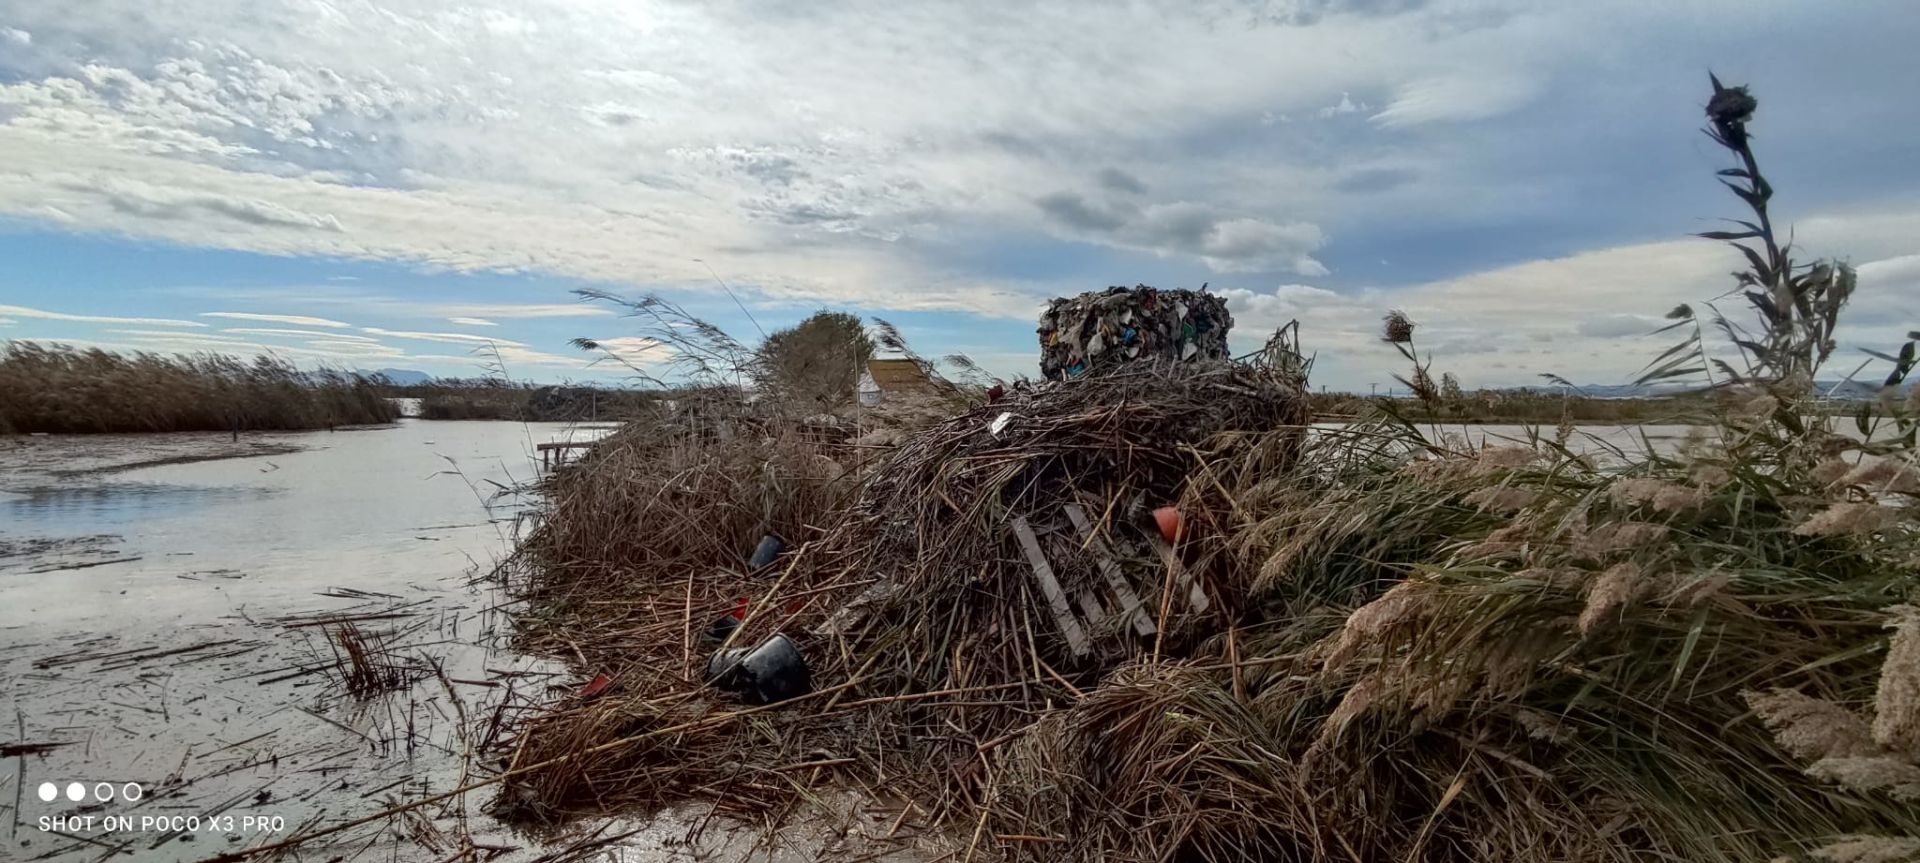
1398,328
1729,110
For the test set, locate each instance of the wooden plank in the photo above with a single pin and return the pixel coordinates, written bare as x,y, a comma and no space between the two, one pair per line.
1195,595
1050,587
1091,609
1130,604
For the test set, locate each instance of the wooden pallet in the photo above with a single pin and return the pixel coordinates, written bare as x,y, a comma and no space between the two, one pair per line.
1120,599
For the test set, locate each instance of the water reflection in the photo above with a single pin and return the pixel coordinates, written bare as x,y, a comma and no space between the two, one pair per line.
111,507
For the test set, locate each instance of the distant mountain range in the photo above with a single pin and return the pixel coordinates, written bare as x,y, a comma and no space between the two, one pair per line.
404,377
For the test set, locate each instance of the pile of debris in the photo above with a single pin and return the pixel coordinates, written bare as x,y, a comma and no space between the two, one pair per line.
1105,329
1019,540
988,566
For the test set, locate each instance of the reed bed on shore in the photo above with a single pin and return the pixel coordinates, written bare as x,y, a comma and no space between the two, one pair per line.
54,388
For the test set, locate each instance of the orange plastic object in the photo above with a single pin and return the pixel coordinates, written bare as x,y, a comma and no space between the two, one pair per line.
1172,524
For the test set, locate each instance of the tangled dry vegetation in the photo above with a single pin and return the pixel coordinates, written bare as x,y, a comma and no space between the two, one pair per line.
1408,650
61,389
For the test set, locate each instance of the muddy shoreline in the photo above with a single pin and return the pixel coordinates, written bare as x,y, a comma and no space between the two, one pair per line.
170,610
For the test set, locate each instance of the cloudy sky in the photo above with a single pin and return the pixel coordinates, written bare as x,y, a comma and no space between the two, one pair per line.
397,182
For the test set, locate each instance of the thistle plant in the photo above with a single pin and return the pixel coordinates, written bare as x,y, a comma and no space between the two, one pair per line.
1397,330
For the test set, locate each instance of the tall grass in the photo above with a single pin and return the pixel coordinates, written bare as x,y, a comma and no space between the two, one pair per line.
495,399
1515,406
54,388
1520,654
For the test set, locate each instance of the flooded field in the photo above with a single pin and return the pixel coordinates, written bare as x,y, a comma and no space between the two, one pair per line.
171,619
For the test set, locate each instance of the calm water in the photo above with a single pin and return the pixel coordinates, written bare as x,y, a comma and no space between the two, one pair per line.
377,509
168,658
167,636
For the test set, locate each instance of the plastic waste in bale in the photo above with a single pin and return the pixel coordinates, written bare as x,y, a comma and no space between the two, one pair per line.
764,553
1080,335
775,671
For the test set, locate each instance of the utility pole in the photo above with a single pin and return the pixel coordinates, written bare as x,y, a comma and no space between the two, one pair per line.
1375,390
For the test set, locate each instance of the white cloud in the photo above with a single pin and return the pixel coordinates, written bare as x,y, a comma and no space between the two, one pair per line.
638,350
1226,243
523,310
580,138
471,322
7,322
1346,105
1286,302
340,348
1581,316
1453,98
450,338
170,343
513,357
296,320
193,337
24,312
319,334
588,145
1617,325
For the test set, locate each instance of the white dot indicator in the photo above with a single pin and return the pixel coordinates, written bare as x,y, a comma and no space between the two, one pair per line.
76,792
48,791
102,791
132,791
